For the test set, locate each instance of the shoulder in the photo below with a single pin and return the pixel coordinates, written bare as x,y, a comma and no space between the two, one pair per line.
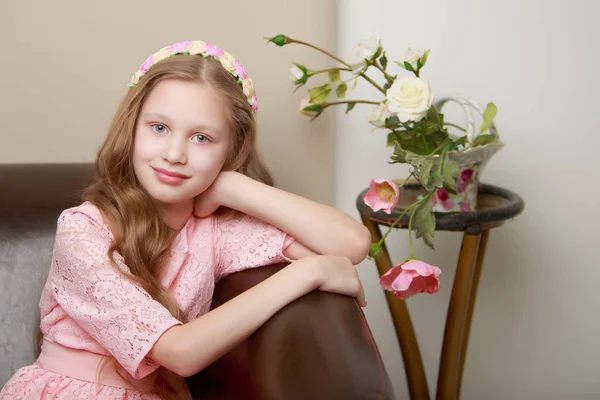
84,218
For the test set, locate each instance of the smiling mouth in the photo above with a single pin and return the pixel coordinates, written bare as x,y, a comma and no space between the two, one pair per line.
169,177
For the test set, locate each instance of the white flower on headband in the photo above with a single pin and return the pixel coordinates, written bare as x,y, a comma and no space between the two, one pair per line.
248,87
228,62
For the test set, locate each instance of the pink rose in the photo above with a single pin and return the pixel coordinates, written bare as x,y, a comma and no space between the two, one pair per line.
410,278
146,65
254,102
214,50
240,70
382,195
442,196
179,47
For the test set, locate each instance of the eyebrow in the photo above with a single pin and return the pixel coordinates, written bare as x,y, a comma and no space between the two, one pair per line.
162,117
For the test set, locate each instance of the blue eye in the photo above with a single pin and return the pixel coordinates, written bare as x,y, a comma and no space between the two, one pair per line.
159,128
201,139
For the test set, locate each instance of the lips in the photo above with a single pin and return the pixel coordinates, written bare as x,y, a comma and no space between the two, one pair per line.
170,177
170,173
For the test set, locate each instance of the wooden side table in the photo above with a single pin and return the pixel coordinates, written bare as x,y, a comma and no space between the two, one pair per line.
495,206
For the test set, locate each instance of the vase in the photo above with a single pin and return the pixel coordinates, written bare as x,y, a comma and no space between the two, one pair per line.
470,162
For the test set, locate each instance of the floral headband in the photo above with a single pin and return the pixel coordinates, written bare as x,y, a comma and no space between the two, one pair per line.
232,65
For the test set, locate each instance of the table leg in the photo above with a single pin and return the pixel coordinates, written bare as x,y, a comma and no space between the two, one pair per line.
415,373
478,265
455,333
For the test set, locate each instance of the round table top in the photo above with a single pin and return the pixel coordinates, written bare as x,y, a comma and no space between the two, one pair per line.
494,206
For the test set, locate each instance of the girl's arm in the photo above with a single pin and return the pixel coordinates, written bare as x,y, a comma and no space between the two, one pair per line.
316,227
187,349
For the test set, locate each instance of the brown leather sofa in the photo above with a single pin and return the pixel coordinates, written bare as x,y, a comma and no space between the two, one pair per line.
318,347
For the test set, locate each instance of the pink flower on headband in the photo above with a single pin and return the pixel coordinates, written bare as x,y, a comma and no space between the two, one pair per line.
254,102
179,47
240,70
146,65
214,50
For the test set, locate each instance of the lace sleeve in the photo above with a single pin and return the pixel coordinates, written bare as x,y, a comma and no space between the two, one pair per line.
116,312
247,242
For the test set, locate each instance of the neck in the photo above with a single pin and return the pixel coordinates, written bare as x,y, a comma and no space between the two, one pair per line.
176,215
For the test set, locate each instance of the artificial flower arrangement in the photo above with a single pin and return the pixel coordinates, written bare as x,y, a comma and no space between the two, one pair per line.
445,164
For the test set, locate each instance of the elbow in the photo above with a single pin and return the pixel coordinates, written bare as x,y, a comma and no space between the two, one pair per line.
172,353
361,245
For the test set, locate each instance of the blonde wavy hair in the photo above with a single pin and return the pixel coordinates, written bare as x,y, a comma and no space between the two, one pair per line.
141,237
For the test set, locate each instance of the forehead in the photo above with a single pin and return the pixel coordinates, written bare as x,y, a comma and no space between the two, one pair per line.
187,104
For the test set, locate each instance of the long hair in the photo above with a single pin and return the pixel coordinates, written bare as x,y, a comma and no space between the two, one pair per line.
141,237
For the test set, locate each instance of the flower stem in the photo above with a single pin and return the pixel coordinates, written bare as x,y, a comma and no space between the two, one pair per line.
311,73
372,82
410,235
456,126
334,103
379,67
318,49
290,40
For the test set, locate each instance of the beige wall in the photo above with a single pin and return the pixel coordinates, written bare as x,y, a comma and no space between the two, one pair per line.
65,65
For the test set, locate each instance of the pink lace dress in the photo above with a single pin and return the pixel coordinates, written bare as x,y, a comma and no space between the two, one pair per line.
90,313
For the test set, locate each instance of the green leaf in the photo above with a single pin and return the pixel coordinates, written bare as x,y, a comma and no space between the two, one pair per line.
355,83
392,121
488,117
419,64
430,127
391,139
424,58
399,155
408,66
383,61
334,75
377,53
313,108
388,84
400,64
450,172
340,91
415,145
350,107
460,142
319,94
302,68
423,172
279,40
424,221
482,140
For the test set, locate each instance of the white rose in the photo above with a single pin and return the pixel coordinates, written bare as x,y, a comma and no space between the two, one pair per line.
364,50
305,102
296,74
379,114
197,47
228,62
161,55
412,56
248,87
410,99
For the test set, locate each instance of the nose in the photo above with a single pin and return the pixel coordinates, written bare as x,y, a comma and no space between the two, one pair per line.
174,150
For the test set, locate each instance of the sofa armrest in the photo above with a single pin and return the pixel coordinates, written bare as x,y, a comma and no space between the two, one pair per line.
317,347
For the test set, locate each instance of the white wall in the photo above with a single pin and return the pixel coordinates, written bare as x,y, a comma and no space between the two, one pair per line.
536,326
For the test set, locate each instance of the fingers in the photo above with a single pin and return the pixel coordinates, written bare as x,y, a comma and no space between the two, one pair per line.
360,298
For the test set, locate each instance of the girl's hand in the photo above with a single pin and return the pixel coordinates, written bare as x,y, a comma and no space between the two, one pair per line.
208,201
337,274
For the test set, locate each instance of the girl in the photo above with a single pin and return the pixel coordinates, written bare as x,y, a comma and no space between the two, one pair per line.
181,199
